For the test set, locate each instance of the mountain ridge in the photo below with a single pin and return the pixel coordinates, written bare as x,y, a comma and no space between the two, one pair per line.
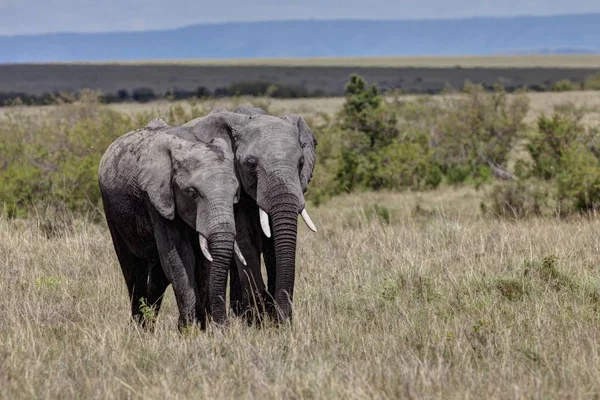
555,34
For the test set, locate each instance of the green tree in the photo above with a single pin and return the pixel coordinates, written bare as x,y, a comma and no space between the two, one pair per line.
365,111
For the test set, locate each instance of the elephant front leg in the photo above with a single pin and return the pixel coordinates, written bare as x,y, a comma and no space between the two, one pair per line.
246,284
178,262
236,293
186,292
247,287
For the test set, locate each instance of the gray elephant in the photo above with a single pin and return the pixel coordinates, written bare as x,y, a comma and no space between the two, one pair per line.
274,160
169,207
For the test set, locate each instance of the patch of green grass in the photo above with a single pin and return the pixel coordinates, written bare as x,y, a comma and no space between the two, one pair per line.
49,282
512,288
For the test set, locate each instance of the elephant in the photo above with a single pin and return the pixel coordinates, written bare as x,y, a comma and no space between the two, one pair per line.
274,161
168,203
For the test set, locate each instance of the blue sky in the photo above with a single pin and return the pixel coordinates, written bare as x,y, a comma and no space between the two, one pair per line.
42,16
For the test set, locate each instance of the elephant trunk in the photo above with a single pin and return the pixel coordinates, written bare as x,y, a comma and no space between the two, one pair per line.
284,220
221,248
217,242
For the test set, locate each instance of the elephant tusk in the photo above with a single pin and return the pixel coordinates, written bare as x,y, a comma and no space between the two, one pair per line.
238,252
308,221
264,222
204,248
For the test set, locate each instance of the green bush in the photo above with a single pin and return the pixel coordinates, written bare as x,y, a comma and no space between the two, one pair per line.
555,134
365,112
564,174
419,144
520,198
563,85
50,160
54,161
592,82
578,181
397,166
375,155
476,132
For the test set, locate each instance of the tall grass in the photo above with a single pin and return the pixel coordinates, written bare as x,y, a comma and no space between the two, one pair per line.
425,298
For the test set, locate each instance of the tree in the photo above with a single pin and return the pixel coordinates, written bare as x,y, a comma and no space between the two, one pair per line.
365,111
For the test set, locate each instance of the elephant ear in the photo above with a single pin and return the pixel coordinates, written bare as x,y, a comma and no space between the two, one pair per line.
154,178
222,146
308,142
219,123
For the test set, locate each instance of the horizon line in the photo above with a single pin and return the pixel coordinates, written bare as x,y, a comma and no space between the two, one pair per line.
311,19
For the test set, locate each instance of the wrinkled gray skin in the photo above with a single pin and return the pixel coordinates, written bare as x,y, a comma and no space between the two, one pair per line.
274,160
160,192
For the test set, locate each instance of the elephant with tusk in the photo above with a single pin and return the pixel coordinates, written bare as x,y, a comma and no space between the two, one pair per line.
167,202
264,221
274,161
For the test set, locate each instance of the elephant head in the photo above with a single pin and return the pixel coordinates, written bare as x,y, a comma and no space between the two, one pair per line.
197,182
275,159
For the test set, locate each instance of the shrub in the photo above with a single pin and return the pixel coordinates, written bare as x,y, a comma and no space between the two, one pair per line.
402,165
54,161
143,95
51,161
579,178
417,144
375,155
123,94
564,174
475,133
592,82
555,134
563,85
520,198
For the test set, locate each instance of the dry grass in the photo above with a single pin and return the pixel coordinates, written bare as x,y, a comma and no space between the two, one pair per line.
313,107
504,61
440,302
539,103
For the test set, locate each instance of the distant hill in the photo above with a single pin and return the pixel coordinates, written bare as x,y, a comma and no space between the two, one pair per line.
563,34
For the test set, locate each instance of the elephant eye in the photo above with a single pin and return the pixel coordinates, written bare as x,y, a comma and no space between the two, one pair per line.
251,161
191,192
301,162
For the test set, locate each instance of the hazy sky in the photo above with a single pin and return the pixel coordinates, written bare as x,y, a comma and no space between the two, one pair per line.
41,16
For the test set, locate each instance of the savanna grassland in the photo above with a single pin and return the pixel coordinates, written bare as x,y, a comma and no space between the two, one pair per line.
449,281
314,107
431,300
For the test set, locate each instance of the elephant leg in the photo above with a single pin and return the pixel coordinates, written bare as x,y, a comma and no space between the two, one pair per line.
157,285
135,272
236,293
238,303
137,285
146,291
178,262
246,282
